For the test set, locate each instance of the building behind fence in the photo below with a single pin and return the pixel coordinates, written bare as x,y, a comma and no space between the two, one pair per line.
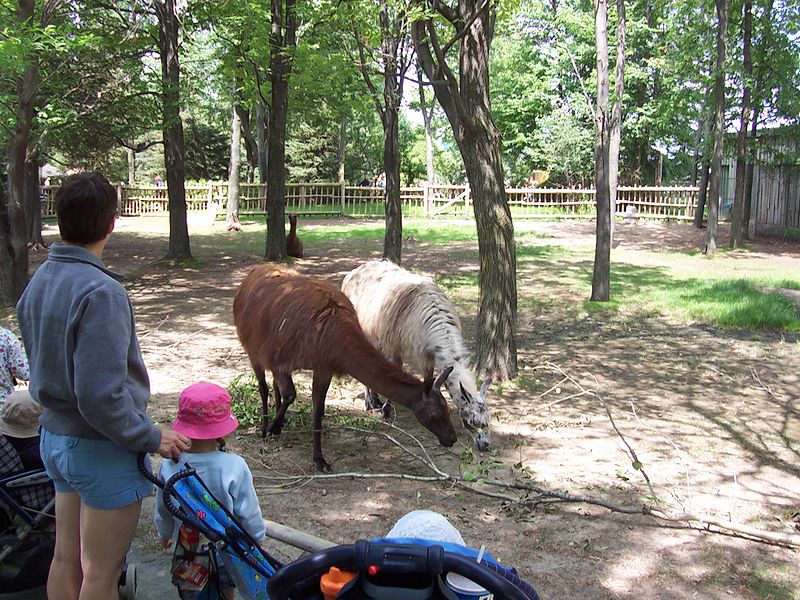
442,201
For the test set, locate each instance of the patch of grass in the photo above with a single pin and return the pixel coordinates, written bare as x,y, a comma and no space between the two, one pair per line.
456,283
735,303
771,584
787,284
526,251
246,400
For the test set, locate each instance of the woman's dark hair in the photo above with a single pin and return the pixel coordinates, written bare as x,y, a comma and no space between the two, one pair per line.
86,205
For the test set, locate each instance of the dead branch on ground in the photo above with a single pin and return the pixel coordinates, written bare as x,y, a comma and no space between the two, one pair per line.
534,494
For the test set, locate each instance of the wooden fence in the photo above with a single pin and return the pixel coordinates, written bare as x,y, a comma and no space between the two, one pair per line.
336,199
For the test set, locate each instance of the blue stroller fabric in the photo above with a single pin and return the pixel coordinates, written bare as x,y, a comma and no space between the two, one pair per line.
188,498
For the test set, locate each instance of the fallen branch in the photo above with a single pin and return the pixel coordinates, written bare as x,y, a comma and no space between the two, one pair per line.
692,520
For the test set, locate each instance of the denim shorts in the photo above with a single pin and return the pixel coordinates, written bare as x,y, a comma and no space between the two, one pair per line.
104,475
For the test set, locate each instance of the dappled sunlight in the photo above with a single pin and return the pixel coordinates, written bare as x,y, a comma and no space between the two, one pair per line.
712,413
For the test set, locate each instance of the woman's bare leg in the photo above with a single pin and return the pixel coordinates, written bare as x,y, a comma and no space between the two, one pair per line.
106,537
64,579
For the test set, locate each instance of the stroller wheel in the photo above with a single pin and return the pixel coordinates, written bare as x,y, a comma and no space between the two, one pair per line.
127,589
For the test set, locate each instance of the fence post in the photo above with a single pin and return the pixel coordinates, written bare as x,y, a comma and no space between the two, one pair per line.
466,200
342,184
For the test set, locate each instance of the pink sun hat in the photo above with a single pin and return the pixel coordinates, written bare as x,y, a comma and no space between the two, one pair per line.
204,412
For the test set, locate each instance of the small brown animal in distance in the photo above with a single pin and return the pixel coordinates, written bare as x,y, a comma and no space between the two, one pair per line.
294,247
287,321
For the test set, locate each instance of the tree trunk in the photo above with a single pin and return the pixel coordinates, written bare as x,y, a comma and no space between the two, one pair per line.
392,96
748,182
234,167
702,195
616,117
738,228
393,237
465,101
250,144
261,128
393,29
497,312
719,128
282,44
340,156
13,230
601,277
131,166
33,204
173,130
426,120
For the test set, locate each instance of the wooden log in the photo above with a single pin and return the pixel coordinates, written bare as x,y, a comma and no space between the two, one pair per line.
295,537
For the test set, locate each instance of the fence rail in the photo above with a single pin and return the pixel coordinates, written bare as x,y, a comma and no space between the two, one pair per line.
336,199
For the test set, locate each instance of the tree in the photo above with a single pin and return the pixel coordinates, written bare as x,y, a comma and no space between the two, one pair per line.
715,177
602,251
737,224
174,149
465,101
13,225
234,167
616,115
283,43
427,117
394,62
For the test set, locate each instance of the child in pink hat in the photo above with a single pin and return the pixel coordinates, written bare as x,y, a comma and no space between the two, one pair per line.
204,415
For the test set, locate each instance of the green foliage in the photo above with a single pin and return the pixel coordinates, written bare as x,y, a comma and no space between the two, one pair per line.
207,150
566,146
245,400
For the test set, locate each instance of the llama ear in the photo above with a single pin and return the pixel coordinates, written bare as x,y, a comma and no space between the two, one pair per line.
442,377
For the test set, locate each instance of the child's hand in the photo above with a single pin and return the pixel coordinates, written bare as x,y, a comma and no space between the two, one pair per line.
165,543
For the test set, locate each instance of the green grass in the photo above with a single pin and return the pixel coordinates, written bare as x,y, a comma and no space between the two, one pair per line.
731,303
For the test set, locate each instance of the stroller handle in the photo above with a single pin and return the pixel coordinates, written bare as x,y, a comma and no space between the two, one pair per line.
144,469
395,558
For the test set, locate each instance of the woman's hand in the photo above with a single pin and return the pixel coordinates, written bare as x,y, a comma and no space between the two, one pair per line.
173,443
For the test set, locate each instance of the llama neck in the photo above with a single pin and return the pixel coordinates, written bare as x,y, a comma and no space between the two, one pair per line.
362,361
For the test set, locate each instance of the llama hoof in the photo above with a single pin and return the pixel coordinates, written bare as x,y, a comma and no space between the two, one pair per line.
386,411
323,465
371,400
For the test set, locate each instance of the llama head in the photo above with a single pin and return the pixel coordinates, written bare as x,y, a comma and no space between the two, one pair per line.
433,413
474,414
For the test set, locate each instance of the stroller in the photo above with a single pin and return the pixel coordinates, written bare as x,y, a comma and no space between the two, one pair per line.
27,531
380,569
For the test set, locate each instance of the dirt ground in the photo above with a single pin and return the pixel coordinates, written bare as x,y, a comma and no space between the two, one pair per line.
714,417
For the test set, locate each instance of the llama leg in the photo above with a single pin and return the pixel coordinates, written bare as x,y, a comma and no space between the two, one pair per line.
371,400
263,390
319,390
285,387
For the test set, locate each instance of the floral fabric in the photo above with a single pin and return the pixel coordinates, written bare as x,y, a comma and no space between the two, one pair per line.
13,363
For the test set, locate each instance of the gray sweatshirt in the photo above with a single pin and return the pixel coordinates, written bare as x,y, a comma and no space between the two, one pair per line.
86,366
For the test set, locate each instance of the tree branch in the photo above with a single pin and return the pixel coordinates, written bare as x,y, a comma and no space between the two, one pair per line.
692,520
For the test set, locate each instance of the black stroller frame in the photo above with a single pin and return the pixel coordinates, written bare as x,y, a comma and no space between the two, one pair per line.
24,519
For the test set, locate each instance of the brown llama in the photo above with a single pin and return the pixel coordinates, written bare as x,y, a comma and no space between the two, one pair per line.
294,247
287,321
